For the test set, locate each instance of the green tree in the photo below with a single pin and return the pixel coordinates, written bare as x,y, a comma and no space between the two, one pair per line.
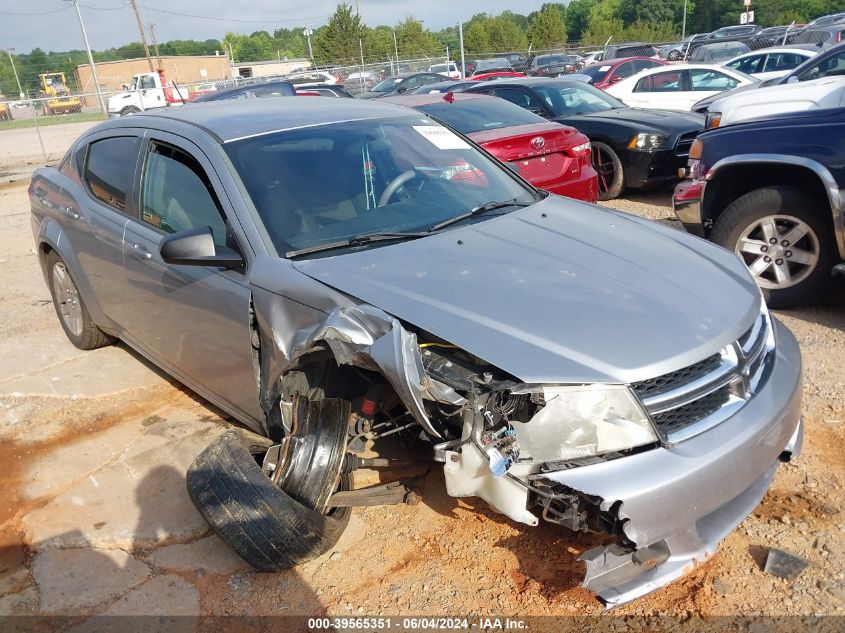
338,41
577,18
414,39
378,43
476,39
547,29
505,35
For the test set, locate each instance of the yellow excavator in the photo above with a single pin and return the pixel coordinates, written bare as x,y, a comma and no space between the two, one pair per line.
57,97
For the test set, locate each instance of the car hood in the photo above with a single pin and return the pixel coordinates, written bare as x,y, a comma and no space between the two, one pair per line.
672,122
559,292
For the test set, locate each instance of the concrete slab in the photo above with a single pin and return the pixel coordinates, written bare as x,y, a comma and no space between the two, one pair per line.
163,595
135,499
96,373
73,581
209,554
36,351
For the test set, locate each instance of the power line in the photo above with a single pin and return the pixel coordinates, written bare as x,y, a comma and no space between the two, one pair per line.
208,17
39,13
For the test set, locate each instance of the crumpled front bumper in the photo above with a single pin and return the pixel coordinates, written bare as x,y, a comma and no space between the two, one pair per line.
680,502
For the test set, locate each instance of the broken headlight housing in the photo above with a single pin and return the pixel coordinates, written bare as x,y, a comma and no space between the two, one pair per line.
583,421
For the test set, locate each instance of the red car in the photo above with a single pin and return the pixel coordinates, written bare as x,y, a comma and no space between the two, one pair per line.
494,75
549,155
607,73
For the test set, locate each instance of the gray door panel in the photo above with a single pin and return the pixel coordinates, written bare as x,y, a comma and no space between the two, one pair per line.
192,319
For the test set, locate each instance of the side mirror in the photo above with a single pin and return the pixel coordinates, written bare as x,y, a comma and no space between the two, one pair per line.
195,247
614,79
792,80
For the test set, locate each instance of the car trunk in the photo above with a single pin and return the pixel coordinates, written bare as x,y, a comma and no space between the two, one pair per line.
540,162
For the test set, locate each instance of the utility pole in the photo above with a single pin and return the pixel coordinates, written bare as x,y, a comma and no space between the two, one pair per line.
396,48
684,23
307,32
461,38
134,5
90,58
21,95
155,43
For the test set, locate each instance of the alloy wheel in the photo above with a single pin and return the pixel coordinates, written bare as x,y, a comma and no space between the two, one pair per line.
603,164
67,297
779,250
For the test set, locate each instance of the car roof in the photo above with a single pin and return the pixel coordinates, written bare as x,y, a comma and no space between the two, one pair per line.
413,101
232,120
244,87
529,82
784,49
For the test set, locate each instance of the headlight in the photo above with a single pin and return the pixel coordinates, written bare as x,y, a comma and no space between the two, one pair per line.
582,421
646,141
713,120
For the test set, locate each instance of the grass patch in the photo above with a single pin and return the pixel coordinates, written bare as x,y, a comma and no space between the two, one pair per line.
56,119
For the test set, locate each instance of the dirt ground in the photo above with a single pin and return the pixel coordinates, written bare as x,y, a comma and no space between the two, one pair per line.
95,518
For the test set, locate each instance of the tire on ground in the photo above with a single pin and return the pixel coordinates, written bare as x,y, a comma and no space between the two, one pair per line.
759,203
91,337
617,183
268,528
129,110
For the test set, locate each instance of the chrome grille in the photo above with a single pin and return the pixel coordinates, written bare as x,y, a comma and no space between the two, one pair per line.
695,398
684,143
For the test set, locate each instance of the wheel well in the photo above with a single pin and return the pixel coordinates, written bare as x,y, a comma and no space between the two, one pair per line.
733,181
44,249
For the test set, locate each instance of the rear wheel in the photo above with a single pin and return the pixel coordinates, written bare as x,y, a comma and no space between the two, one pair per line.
674,56
71,310
609,170
129,110
781,234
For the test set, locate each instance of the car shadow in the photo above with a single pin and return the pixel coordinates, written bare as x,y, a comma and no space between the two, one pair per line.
828,310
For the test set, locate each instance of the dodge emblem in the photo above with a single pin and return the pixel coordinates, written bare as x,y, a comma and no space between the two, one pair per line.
538,142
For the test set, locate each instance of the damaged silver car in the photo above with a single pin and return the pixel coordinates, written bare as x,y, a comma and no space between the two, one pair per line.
337,274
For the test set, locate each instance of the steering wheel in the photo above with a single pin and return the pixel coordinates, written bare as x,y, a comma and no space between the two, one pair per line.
395,185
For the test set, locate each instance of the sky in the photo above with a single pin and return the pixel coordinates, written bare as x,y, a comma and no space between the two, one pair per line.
52,24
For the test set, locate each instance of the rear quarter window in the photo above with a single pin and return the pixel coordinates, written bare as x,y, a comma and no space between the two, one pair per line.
109,168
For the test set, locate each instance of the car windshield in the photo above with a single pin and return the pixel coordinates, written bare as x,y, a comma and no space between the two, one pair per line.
320,185
388,85
476,115
569,99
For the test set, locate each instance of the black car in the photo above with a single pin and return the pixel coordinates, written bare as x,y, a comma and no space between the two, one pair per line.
401,84
628,49
325,90
772,36
484,66
519,62
823,37
631,147
829,63
553,65
718,52
249,91
780,212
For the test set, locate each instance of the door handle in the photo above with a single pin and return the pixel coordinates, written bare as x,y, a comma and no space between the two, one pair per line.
69,213
140,251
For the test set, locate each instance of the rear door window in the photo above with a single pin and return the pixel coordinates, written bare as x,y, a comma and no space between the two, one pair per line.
711,80
670,81
109,169
781,61
748,65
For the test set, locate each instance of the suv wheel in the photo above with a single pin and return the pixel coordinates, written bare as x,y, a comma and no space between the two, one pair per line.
782,236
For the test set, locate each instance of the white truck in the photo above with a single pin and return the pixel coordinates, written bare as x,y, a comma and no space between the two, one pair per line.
146,92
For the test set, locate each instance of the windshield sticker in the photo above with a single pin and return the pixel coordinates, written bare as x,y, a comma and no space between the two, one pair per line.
604,69
440,137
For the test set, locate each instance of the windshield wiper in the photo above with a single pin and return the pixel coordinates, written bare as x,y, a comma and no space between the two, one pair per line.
360,240
483,208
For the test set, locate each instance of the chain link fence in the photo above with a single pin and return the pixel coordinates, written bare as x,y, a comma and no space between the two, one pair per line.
38,130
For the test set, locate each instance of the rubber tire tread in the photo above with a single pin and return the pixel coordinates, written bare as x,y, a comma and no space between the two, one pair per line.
618,185
264,525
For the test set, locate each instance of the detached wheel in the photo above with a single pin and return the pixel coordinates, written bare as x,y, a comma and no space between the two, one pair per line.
129,110
71,310
609,170
783,237
275,526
